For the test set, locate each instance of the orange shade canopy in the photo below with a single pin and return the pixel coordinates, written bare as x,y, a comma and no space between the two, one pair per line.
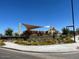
29,27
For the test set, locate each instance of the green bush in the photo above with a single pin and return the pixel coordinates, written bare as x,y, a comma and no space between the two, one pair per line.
43,41
34,43
2,42
24,42
68,40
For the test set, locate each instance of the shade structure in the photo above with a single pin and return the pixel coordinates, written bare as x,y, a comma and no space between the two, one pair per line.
29,27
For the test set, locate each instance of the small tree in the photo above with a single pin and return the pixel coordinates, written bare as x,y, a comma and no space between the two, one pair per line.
9,32
66,35
65,31
16,34
77,31
55,34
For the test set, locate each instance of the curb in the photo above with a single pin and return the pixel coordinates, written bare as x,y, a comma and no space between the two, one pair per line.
37,51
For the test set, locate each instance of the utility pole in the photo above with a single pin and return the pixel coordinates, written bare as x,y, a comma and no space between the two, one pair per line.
73,19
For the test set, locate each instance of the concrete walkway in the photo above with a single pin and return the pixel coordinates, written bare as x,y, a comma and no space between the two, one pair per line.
44,48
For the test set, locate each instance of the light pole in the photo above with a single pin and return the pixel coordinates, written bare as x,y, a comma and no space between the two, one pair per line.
73,19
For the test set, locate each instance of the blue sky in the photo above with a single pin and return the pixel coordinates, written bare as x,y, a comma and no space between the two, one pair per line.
56,13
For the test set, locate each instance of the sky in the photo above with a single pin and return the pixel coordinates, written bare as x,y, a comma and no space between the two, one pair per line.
56,13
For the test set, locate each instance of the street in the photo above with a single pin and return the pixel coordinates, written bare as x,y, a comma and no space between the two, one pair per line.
70,55
12,54
6,54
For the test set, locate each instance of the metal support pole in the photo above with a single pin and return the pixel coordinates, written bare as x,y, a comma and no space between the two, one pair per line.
73,19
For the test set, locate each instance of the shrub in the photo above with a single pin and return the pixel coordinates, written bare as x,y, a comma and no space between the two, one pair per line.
68,40
51,41
2,42
22,42
34,43
27,42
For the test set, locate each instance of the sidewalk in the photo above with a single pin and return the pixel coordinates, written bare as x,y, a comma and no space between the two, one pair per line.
44,48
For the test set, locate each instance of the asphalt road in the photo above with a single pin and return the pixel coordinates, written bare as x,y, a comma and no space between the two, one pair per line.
70,55
6,54
12,54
